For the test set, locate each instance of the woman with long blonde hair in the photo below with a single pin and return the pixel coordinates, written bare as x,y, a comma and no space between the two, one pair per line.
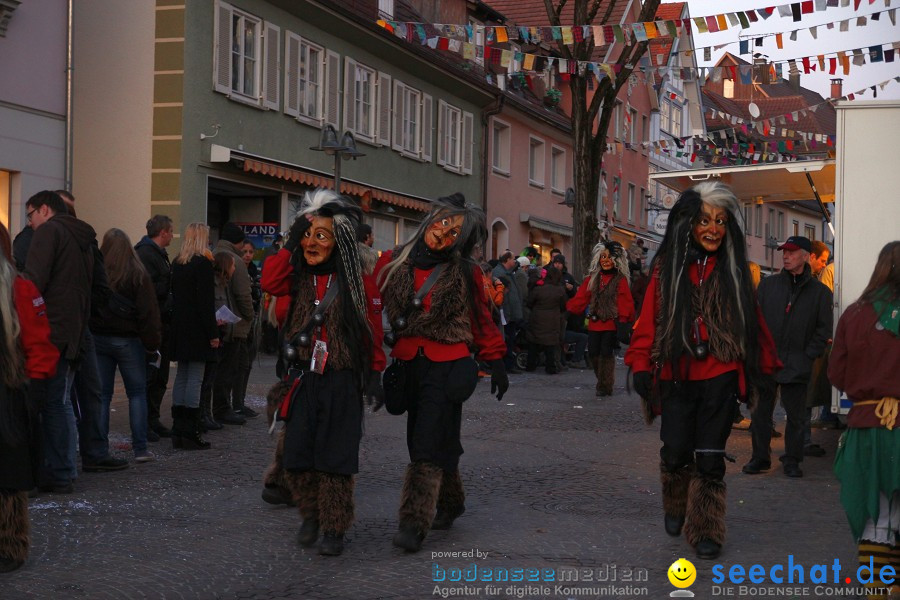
26,353
125,330
195,334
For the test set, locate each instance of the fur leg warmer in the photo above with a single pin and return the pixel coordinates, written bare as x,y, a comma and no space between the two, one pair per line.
451,502
304,488
420,493
705,515
675,490
14,527
335,503
607,375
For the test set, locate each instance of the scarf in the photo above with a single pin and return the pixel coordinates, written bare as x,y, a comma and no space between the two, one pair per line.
424,258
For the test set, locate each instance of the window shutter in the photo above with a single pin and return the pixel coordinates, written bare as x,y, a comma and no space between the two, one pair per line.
350,94
442,133
384,110
468,142
272,67
426,128
222,52
332,89
291,73
398,116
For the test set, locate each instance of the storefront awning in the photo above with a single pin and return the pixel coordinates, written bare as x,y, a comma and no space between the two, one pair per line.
545,225
255,164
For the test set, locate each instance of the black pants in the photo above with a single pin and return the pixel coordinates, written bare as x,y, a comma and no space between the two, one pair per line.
534,351
437,392
696,423
602,343
793,399
509,335
232,356
158,378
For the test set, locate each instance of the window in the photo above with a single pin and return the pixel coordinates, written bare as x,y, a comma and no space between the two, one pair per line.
809,232
631,203
616,196
500,147
412,121
780,235
617,116
642,199
676,120
455,138
795,228
632,126
558,170
747,223
665,116
773,226
759,225
644,134
386,9
728,88
304,79
359,99
536,162
246,59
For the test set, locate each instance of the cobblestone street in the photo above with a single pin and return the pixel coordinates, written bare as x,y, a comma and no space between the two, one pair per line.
554,476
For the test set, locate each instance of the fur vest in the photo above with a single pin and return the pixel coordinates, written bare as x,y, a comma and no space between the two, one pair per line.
722,322
448,321
302,308
604,302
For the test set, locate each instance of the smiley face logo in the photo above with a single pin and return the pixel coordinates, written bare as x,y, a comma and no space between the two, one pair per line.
682,573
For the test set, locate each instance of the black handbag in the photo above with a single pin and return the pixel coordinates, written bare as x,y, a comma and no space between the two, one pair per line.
394,383
623,332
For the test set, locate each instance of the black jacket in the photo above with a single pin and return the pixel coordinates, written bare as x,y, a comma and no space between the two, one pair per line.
194,317
156,261
797,309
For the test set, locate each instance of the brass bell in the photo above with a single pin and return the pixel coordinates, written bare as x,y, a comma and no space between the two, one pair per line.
303,340
417,303
318,318
290,353
390,339
400,324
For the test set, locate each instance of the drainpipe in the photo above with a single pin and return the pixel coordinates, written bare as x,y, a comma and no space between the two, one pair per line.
485,121
67,174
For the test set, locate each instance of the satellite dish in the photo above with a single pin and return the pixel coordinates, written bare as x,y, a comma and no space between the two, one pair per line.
754,109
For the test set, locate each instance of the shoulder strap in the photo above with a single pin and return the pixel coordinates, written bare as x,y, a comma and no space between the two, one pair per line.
430,281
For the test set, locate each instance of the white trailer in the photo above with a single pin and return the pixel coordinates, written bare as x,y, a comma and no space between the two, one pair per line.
863,182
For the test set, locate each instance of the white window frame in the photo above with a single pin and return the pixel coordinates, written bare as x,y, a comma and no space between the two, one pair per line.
557,169
536,161
360,100
501,146
631,189
455,138
230,69
299,86
632,128
411,121
386,9
677,116
617,116
665,116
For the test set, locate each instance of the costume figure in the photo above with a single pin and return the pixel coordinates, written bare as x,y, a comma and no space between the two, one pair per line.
700,342
433,294
333,335
606,294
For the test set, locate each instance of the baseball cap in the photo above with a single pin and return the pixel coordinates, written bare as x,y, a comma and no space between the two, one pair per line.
796,242
523,261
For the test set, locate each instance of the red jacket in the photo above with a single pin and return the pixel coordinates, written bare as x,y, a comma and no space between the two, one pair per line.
41,355
277,277
638,354
625,303
487,337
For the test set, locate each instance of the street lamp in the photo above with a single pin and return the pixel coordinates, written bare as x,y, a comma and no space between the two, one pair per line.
345,149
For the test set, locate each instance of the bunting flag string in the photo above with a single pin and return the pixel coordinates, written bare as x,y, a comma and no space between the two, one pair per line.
639,31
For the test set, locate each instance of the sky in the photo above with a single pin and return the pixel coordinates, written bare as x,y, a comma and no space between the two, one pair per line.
860,77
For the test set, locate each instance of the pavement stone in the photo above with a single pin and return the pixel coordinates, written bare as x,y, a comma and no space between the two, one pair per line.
555,478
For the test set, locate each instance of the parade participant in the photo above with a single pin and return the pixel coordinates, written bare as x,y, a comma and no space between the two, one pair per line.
334,333
606,294
700,342
432,291
864,363
26,353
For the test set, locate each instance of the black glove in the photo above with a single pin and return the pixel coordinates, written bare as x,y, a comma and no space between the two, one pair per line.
298,228
643,383
374,391
499,379
37,393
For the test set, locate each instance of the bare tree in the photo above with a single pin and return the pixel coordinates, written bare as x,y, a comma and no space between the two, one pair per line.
590,142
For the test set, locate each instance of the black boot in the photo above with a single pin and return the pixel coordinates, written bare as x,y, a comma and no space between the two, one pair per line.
160,429
409,538
309,532
177,426
332,544
191,439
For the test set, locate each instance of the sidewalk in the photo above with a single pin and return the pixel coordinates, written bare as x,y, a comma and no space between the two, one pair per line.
554,476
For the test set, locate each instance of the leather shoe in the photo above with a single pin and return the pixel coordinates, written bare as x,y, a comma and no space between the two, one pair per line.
8,564
792,470
160,429
110,463
409,538
332,544
57,488
674,525
444,518
756,466
247,412
708,549
230,418
277,495
813,450
152,436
